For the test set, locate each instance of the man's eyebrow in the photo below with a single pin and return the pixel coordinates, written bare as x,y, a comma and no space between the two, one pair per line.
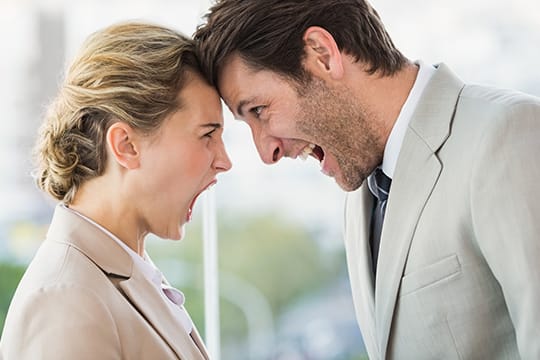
242,104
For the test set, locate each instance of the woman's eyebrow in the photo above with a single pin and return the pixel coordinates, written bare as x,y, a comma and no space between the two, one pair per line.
212,125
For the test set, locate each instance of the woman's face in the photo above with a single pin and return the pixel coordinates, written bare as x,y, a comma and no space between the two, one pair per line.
181,160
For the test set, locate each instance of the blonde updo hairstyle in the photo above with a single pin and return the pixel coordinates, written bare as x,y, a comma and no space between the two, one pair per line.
130,72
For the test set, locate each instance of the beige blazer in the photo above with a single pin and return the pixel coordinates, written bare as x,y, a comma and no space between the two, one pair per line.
459,263
82,298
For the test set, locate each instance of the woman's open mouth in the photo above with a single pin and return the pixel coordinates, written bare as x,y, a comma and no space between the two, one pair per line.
189,214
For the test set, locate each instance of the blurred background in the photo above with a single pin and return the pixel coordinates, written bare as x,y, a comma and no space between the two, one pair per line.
284,291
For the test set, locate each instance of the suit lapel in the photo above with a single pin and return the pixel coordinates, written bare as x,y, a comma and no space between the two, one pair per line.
200,344
358,217
194,332
417,171
107,254
143,295
404,208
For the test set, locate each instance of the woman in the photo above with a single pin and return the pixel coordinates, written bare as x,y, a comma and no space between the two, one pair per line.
132,139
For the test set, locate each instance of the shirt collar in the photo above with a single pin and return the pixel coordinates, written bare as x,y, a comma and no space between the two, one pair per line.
395,140
151,273
141,262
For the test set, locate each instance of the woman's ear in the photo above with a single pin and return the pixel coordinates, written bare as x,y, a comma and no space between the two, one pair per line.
123,145
323,57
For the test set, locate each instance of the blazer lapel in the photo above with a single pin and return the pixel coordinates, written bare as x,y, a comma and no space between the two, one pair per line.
358,216
194,332
107,254
200,344
417,171
143,295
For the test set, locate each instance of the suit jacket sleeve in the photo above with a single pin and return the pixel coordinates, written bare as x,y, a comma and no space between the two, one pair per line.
82,320
505,207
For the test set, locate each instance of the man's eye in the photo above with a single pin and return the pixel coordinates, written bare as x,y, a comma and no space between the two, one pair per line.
257,110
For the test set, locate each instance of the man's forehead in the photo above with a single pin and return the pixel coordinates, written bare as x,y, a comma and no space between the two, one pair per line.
235,81
236,65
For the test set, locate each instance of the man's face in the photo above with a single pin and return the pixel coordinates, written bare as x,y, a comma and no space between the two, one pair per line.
315,120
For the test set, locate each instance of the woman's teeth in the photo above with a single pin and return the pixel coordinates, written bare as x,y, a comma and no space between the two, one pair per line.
307,151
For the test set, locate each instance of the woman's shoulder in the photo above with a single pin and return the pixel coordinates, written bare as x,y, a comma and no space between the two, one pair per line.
51,315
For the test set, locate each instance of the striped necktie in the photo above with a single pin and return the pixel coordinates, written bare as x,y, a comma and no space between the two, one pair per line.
380,187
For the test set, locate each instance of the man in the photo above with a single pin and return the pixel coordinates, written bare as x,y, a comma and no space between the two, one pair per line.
451,168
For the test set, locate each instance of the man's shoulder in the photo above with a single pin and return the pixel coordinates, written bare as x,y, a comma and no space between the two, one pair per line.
498,97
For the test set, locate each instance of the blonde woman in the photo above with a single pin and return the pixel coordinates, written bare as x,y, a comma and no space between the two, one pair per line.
132,139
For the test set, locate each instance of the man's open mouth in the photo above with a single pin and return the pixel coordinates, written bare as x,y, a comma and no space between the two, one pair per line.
312,150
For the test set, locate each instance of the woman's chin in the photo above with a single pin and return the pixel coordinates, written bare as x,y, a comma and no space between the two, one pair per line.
180,234
177,234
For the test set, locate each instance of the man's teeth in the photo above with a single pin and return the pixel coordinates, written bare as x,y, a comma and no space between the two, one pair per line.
307,151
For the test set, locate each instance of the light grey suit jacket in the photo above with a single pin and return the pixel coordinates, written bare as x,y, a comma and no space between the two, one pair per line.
82,298
459,264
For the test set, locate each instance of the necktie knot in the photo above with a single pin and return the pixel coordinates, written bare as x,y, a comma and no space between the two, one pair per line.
382,185
379,184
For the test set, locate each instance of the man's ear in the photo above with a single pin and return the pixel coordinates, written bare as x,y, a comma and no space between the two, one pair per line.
323,57
123,146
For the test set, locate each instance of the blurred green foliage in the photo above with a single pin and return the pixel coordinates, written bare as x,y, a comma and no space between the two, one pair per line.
272,255
10,276
277,256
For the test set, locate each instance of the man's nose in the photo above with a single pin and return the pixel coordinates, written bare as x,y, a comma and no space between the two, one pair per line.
270,148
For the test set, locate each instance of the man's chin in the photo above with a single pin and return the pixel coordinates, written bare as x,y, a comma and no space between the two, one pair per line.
348,185
348,188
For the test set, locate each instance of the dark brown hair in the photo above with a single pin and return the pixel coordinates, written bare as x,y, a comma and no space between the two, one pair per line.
267,34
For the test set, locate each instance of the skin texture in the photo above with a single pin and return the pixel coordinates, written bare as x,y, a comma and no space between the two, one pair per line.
341,108
151,182
326,117
286,118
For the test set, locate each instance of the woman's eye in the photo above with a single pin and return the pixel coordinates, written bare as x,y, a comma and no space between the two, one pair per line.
210,133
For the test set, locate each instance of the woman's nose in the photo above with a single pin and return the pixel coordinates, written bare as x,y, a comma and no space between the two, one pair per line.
222,162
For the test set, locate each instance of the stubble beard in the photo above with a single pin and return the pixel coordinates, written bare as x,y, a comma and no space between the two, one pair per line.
343,127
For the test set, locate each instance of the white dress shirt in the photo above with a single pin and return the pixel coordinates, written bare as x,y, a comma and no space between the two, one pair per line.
395,140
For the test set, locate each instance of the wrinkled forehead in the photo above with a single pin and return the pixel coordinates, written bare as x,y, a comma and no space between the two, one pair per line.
235,84
243,89
234,64
237,70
